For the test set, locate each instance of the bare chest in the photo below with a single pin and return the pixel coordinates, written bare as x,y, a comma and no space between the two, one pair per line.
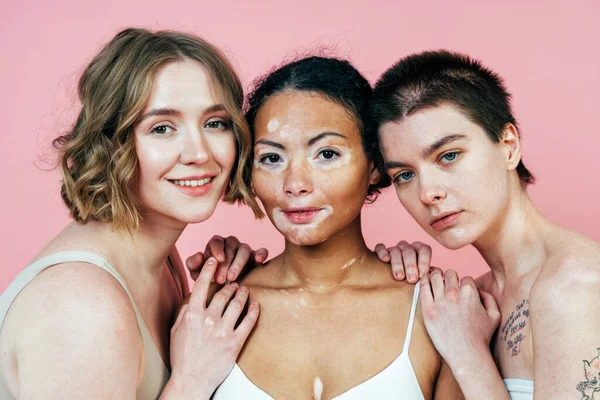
512,345
298,346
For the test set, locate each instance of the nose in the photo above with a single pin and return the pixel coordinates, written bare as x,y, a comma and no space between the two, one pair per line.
195,148
297,181
432,192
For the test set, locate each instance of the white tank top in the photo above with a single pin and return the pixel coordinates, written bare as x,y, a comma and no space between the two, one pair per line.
519,389
156,373
397,381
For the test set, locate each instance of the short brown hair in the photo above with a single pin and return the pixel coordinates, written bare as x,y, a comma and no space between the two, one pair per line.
97,157
431,78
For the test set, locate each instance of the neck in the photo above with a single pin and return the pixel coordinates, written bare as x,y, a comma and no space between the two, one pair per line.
326,266
516,244
144,250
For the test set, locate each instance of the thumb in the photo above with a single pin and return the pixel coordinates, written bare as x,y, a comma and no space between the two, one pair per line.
490,305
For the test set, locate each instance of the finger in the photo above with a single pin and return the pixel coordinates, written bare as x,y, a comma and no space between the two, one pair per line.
397,264
382,253
245,327
491,305
235,307
261,255
221,298
436,276
451,280
179,318
409,257
423,257
425,292
199,293
239,262
216,246
468,280
194,261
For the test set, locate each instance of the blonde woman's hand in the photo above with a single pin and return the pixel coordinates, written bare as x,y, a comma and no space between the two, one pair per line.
205,341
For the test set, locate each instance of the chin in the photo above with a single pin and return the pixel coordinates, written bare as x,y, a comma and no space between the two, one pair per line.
304,238
453,240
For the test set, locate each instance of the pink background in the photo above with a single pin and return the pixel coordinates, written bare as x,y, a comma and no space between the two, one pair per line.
546,51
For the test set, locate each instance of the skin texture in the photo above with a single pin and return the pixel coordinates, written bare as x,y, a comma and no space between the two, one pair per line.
345,315
89,325
541,276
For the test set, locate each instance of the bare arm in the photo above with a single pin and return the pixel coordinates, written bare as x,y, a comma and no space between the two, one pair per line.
77,337
566,334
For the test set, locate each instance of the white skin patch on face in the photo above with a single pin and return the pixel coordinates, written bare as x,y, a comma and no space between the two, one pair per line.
318,388
272,125
296,233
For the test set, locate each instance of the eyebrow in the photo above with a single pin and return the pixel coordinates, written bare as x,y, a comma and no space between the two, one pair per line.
442,142
428,151
324,135
173,112
310,142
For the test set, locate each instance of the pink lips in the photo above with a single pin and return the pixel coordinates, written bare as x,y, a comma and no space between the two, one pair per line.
445,220
301,215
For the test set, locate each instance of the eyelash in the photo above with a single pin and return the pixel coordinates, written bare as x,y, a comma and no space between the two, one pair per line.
223,125
263,159
153,130
334,152
442,159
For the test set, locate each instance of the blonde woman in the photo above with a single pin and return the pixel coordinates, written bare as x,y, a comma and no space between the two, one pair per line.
154,148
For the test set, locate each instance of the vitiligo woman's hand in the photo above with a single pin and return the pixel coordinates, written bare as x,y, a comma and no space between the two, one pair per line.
409,261
459,318
232,256
204,341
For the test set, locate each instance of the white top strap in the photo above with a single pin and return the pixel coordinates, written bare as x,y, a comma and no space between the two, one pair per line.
411,320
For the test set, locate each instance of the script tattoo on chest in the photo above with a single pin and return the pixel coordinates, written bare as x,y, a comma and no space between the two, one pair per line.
512,329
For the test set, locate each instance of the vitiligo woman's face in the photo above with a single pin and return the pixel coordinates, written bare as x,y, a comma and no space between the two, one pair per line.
310,170
449,175
185,145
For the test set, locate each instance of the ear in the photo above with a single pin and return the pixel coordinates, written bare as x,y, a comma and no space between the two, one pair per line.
512,145
374,174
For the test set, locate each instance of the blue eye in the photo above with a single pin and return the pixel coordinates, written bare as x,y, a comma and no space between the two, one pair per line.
218,124
450,156
161,129
328,154
404,177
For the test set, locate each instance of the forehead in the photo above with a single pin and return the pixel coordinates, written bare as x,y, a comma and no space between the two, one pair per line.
303,112
424,127
183,82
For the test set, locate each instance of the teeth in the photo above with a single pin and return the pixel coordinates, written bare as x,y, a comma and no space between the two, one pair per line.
193,183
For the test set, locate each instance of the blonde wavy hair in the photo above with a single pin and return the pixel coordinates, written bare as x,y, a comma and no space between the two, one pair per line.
97,157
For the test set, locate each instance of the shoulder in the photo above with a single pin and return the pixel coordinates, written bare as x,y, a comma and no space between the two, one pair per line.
75,301
90,330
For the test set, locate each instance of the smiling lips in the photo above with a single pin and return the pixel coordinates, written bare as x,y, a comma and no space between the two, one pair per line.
194,186
301,215
444,220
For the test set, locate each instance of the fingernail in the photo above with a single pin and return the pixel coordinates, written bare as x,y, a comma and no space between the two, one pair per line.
243,289
230,276
412,276
255,304
211,261
235,285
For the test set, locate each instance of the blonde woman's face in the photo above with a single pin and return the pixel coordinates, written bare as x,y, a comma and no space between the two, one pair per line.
185,146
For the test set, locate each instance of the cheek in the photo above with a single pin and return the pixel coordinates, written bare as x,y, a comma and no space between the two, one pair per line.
224,150
155,159
266,184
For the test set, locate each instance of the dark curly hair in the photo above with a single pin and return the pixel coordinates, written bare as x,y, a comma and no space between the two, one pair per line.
335,79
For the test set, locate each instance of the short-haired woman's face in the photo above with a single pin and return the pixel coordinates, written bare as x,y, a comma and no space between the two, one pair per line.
185,145
447,173
310,170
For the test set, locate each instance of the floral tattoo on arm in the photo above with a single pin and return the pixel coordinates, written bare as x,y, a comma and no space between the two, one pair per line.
512,329
591,385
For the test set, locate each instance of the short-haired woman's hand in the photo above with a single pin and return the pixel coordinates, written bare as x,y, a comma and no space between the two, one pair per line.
232,255
205,341
410,261
459,317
